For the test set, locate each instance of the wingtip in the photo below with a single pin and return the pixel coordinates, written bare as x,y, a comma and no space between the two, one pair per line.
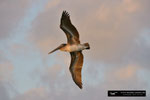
65,13
80,86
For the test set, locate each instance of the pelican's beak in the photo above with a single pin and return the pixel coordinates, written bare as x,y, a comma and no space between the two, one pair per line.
55,49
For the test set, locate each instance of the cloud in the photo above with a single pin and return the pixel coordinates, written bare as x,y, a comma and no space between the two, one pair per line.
127,72
139,52
56,85
11,12
33,94
52,4
111,28
6,70
113,33
131,5
114,29
122,74
4,92
6,80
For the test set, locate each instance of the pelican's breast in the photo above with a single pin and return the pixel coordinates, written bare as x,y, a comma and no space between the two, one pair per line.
72,48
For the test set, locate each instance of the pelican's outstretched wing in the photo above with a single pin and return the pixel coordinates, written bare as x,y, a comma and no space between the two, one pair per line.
70,31
76,67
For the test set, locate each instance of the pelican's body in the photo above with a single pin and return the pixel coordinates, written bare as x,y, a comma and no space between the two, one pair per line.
74,47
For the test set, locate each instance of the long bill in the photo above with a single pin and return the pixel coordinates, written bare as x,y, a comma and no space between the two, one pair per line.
55,49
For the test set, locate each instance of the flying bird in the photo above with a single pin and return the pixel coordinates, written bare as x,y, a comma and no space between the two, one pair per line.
74,47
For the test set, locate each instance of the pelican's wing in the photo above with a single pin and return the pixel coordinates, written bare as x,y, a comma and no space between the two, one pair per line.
70,31
76,67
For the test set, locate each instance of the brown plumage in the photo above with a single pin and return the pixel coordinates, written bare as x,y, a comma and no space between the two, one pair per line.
74,47
76,67
70,31
73,38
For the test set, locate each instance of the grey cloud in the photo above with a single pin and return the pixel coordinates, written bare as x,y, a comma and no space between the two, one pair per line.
33,94
140,52
4,94
11,13
57,86
112,42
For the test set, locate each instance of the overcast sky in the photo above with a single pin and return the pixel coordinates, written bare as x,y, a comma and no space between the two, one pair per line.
118,32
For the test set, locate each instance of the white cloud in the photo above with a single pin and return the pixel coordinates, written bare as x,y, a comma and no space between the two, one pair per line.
109,26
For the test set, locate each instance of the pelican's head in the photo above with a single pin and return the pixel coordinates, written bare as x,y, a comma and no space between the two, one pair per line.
58,48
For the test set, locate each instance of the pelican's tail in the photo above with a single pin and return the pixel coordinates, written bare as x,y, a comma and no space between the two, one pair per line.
87,46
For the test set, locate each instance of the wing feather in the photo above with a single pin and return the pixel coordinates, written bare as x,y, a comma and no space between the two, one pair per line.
76,67
69,29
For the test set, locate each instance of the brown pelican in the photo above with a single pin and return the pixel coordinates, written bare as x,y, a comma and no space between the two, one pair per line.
74,47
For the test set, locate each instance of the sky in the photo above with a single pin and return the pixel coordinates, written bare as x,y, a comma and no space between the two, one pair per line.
118,32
